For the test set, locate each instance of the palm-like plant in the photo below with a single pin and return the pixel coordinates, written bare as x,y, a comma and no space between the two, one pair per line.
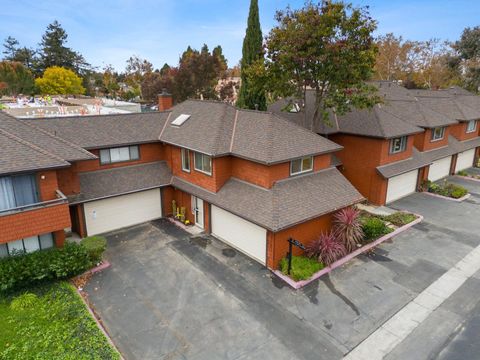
348,228
326,248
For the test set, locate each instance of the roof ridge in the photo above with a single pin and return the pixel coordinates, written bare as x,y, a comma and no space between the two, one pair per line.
123,167
164,126
219,130
32,146
233,130
60,139
100,116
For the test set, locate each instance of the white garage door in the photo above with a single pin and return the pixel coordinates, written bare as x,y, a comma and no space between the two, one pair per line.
402,185
465,160
440,169
122,211
243,235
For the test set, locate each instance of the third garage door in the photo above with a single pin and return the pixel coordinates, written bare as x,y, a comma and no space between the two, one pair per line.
243,235
402,185
439,169
465,160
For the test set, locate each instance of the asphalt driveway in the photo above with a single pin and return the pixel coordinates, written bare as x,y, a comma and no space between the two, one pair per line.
169,295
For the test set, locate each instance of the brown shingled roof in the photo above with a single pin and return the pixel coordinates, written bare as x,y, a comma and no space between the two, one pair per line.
217,128
318,193
99,131
124,180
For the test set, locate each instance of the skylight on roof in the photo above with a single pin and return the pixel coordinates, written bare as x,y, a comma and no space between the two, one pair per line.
180,120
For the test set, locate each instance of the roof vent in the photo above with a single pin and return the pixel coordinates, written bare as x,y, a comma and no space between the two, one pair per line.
180,120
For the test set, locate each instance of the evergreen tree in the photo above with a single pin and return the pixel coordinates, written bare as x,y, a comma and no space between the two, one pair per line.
53,51
252,50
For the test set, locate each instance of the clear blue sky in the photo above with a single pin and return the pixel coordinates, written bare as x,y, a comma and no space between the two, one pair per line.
109,31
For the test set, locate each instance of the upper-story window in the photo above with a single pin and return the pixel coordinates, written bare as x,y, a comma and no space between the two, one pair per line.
119,154
302,165
438,133
16,191
203,163
186,160
471,126
398,145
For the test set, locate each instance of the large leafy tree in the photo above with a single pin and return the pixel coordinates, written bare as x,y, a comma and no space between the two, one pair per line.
327,47
15,79
54,52
198,73
468,49
251,97
60,81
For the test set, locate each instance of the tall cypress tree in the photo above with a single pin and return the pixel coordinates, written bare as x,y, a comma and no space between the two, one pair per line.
252,51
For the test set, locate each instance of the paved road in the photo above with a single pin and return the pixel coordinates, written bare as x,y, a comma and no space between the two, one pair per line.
169,295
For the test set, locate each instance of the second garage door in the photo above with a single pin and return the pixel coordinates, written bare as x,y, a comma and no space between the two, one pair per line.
402,185
465,160
440,169
243,235
122,211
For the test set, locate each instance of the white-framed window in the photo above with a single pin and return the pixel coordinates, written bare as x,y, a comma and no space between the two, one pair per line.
203,163
471,126
438,133
119,154
398,145
186,160
302,165
27,245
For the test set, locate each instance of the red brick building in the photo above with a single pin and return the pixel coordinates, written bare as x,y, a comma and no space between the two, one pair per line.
413,136
249,178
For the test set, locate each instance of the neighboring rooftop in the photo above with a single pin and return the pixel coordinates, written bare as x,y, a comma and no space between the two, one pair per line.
33,149
105,130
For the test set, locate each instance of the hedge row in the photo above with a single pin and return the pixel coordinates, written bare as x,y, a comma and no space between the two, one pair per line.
58,263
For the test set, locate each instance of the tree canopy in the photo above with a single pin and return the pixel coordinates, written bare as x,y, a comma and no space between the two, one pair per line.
327,47
252,51
60,81
54,52
15,79
468,50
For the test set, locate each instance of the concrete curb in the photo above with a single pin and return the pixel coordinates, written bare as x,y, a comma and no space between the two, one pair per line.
467,178
104,265
99,324
446,197
299,284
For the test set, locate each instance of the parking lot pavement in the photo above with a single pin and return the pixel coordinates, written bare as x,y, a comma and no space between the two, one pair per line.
170,295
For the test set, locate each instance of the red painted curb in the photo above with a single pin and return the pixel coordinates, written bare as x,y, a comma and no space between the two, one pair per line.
299,284
467,178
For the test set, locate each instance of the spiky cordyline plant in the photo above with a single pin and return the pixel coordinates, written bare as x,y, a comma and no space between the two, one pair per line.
348,228
326,248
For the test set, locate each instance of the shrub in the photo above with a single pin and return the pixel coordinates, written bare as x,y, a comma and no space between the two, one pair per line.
400,218
24,269
24,301
327,249
448,190
347,228
302,267
95,246
458,192
373,228
462,173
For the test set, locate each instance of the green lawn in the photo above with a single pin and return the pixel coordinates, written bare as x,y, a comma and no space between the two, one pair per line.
50,322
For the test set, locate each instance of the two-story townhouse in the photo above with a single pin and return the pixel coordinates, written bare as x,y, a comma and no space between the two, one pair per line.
33,211
250,178
390,150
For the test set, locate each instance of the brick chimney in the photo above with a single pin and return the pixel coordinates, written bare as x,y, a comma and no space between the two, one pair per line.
165,100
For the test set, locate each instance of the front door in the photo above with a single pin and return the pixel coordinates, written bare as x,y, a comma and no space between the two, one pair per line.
197,210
